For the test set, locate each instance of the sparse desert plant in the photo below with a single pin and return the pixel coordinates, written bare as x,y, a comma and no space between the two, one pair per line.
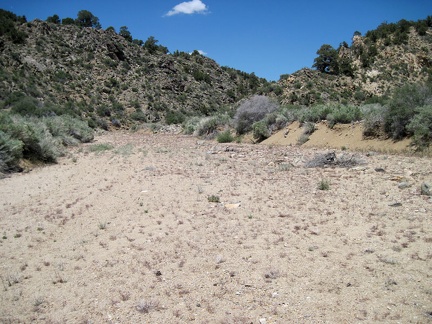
285,166
101,147
124,295
272,274
145,306
252,110
308,128
225,137
213,198
303,139
125,150
345,160
324,184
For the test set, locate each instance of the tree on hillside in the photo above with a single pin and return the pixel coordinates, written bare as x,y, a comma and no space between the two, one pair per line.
87,19
151,44
138,42
326,61
125,33
68,21
7,26
55,19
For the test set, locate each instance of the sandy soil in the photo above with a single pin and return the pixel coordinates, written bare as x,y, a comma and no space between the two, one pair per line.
347,136
135,235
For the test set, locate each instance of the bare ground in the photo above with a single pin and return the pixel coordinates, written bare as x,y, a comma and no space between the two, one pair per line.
135,235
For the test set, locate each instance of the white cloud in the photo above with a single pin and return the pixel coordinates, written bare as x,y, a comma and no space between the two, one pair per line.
188,7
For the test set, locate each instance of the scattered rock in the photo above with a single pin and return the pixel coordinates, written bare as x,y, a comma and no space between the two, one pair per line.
232,206
404,185
425,189
396,204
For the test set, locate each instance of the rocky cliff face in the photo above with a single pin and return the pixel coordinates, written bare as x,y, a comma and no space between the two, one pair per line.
105,76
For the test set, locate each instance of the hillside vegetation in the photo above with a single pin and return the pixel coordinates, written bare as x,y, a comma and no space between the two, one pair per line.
61,79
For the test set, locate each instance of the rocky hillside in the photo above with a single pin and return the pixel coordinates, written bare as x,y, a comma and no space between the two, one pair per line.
372,66
109,80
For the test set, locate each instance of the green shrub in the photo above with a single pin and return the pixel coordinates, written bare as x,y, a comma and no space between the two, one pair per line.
213,198
324,185
260,131
39,144
208,126
315,113
402,108
308,128
25,106
343,114
40,139
10,152
174,117
69,129
225,137
421,127
190,125
303,139
101,147
138,115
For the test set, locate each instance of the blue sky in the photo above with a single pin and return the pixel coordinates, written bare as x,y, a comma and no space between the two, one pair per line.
267,37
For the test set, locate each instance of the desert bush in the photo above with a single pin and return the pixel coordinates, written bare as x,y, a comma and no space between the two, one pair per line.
69,129
303,139
345,160
208,126
308,128
25,106
402,108
315,113
10,152
324,184
343,114
225,137
252,110
190,125
138,115
174,117
38,142
101,147
260,130
421,127
40,139
373,119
